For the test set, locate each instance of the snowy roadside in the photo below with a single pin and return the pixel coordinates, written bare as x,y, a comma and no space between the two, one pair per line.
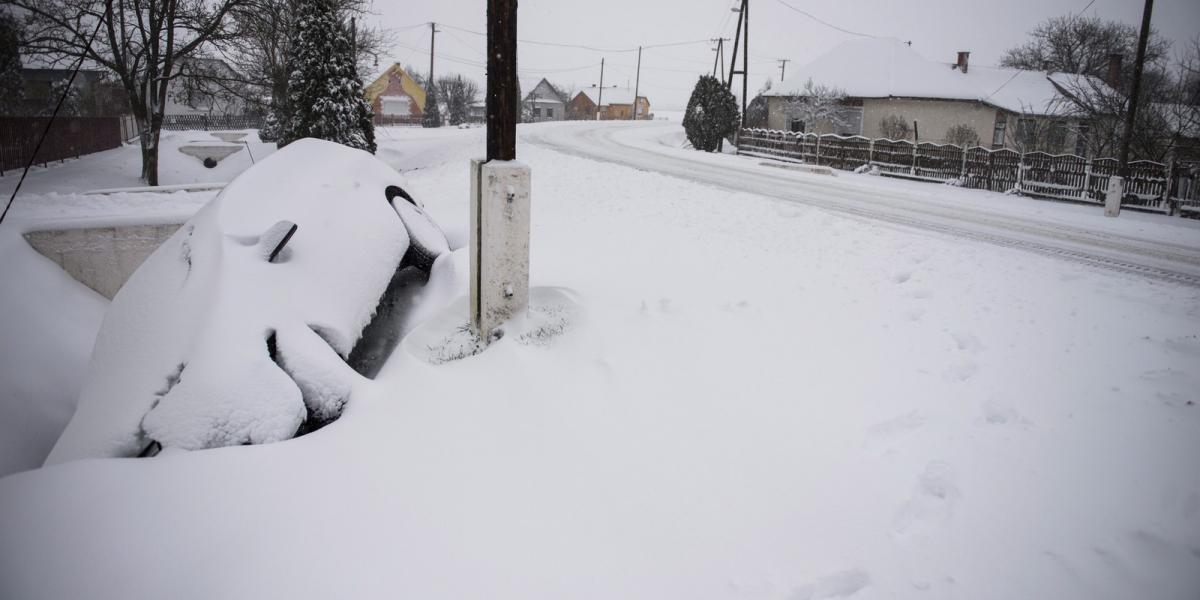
760,399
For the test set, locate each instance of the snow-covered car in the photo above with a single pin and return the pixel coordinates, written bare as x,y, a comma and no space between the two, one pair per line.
237,329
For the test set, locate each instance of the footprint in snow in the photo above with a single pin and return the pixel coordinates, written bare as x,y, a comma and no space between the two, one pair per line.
934,498
845,584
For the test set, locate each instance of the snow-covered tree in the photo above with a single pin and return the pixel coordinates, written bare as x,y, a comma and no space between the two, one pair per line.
433,113
759,108
72,100
962,135
894,127
12,85
325,92
817,103
712,114
458,93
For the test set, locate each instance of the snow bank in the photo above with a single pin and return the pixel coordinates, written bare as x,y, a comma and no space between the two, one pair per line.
188,352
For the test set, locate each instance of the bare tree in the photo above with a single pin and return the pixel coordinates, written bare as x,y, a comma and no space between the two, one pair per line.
457,93
962,135
258,50
12,85
815,104
143,42
1082,45
894,127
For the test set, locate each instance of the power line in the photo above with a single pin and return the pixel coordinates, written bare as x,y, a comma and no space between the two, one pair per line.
586,47
825,23
1089,5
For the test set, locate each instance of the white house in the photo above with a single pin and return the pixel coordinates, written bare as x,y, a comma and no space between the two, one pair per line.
887,79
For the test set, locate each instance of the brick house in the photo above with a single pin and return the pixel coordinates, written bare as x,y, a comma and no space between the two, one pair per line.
395,97
617,105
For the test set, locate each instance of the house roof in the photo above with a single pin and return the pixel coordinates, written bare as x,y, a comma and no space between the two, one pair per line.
544,84
890,68
611,96
410,87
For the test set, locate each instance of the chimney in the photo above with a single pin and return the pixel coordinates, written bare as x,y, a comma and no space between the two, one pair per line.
1114,71
963,59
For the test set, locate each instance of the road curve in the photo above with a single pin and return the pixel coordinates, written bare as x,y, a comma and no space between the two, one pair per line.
625,144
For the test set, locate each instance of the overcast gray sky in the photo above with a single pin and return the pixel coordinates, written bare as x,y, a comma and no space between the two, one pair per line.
937,29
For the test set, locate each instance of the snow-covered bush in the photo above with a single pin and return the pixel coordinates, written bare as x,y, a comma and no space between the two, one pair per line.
712,114
894,127
962,135
236,330
325,93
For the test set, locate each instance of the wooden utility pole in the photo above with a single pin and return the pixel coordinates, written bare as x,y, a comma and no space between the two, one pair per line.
719,55
783,67
741,40
1136,91
503,103
637,82
600,95
432,35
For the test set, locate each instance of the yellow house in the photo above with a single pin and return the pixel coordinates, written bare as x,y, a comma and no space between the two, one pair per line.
395,97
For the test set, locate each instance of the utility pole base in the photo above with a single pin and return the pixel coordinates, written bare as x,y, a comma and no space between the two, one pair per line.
499,245
1112,199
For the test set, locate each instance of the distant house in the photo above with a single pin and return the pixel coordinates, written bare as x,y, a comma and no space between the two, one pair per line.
614,104
206,86
395,96
545,103
477,112
887,79
96,95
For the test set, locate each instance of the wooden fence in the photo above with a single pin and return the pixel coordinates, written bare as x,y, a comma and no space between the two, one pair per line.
1163,187
69,137
211,122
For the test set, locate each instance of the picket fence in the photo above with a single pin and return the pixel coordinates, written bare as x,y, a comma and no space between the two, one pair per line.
1172,187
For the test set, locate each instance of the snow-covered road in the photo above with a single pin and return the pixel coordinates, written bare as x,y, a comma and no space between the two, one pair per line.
652,146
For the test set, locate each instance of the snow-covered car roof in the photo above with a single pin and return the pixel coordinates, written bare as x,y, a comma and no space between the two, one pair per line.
890,68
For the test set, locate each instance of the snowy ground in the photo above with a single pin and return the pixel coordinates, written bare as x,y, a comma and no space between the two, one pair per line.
761,398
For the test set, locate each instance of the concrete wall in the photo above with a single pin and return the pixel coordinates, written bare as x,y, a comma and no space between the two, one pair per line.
101,258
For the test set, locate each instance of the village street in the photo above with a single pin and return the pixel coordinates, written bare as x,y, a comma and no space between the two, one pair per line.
1068,232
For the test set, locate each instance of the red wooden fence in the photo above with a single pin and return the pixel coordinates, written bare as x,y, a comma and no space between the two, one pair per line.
69,137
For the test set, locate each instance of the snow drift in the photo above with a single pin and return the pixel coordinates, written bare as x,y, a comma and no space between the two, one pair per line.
236,330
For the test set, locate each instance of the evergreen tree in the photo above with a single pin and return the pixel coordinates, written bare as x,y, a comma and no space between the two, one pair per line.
12,84
712,114
433,113
325,92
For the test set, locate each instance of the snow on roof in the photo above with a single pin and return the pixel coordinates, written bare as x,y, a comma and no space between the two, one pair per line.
888,67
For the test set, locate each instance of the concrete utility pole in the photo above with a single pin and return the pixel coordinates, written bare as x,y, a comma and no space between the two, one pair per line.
741,39
499,190
637,82
1116,185
783,67
600,96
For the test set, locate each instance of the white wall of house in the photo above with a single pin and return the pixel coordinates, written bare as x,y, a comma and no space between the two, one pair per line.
934,119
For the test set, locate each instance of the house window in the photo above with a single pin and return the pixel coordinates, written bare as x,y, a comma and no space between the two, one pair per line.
550,112
395,105
537,112
797,126
998,133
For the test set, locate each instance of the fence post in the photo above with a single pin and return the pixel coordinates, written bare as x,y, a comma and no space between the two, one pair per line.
1087,179
913,169
1021,171
990,164
870,152
818,159
1169,203
962,173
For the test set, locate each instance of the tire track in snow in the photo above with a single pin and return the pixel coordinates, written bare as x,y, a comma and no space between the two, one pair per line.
1160,261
